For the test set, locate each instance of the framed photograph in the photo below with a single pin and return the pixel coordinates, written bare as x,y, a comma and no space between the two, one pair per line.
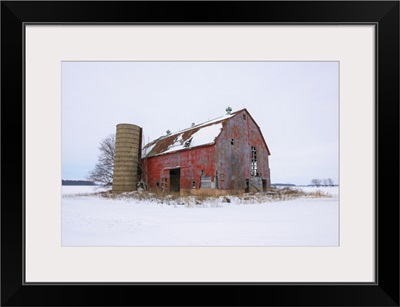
229,146
208,165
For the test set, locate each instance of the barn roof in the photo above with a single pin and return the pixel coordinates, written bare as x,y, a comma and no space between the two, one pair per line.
199,135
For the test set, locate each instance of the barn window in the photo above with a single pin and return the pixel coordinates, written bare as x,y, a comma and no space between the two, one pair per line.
244,116
187,143
253,161
193,184
158,183
231,141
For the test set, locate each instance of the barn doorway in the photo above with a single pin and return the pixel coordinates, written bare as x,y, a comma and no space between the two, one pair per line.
247,188
175,179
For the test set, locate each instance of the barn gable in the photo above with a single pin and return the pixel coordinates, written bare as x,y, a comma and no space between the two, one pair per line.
247,114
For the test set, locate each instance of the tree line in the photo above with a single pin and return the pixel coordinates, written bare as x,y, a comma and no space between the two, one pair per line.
322,182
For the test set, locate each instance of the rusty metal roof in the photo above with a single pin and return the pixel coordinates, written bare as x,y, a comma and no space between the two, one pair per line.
198,135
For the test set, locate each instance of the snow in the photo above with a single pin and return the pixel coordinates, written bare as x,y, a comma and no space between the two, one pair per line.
90,220
147,150
206,135
176,145
81,189
215,120
203,136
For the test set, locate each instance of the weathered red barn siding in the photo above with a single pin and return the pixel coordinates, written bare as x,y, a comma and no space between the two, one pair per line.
227,163
190,161
234,160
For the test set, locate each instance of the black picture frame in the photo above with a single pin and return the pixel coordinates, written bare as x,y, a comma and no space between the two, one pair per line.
383,14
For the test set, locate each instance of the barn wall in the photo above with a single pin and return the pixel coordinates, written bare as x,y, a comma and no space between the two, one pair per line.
191,163
223,166
234,161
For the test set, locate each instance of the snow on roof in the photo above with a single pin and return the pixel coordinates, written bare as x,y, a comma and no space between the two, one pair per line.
146,150
203,136
215,120
199,135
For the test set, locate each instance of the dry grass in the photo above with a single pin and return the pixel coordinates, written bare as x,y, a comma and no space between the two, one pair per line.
79,195
319,194
292,193
174,198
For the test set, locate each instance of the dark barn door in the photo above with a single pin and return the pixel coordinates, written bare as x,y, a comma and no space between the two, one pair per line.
175,179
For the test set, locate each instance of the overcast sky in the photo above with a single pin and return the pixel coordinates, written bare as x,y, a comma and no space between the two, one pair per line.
296,105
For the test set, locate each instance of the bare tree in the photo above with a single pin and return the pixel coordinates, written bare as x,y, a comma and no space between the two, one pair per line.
330,181
104,168
316,182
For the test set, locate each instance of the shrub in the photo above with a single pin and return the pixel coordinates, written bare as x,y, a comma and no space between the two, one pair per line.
174,198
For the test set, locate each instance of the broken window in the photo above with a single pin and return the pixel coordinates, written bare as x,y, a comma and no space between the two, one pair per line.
244,116
231,141
253,161
193,184
158,183
187,143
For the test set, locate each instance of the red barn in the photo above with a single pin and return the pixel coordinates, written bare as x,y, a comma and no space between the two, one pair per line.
217,157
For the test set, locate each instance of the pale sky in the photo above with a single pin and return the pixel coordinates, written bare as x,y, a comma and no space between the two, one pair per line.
296,105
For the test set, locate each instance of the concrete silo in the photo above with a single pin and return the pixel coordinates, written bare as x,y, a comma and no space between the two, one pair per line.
127,155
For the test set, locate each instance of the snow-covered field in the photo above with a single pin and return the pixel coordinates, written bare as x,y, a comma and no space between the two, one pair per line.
89,220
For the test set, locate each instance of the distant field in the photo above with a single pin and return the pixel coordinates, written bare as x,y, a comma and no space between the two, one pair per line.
80,189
